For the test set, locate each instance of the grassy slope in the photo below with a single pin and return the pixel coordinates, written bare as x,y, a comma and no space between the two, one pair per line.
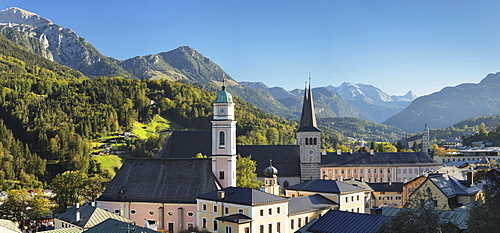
112,163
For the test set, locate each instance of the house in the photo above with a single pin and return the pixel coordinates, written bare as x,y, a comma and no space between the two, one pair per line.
387,194
335,221
470,155
348,197
159,193
84,217
244,210
444,191
8,226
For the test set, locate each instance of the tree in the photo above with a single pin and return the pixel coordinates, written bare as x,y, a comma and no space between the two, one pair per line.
245,173
23,208
419,216
485,216
69,187
415,146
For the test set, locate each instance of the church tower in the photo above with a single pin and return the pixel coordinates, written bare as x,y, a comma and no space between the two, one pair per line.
224,139
426,140
309,139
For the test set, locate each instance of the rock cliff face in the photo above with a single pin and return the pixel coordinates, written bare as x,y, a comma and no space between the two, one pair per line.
56,43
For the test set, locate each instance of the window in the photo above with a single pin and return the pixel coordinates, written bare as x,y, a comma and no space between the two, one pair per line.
247,230
398,198
357,198
204,223
270,211
151,212
286,184
369,171
190,214
221,175
357,209
299,223
215,225
306,220
381,171
354,171
261,229
388,170
204,207
307,141
291,224
222,139
278,210
278,227
342,171
346,199
228,229
190,226
215,209
270,228
133,211
352,198
261,212
240,211
226,210
315,141
170,213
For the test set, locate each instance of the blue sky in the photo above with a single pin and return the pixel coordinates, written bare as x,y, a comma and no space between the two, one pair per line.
396,46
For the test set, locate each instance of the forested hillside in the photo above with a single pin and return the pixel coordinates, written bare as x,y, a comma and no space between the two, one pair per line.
50,113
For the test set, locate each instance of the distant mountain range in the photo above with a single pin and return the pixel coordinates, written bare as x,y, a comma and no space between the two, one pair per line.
451,105
185,64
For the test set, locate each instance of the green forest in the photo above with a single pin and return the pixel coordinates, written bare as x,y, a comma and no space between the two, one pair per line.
50,114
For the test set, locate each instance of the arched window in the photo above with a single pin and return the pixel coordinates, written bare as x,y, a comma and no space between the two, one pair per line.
286,184
307,141
315,141
222,138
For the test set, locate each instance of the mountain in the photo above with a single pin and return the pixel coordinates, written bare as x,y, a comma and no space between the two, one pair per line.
327,103
56,43
373,101
451,105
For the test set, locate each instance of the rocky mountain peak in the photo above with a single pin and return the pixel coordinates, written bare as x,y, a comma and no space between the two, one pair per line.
16,15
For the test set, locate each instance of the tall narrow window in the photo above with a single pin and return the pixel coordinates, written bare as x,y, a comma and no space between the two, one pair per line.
315,141
215,225
204,223
221,175
291,224
270,230
222,139
278,227
307,141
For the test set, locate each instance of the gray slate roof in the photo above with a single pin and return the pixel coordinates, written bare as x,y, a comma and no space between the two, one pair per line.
298,205
358,183
115,226
161,180
335,221
325,186
457,216
89,216
387,187
379,159
451,187
286,158
235,218
245,196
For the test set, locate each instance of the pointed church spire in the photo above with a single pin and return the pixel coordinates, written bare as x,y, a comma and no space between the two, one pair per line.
308,117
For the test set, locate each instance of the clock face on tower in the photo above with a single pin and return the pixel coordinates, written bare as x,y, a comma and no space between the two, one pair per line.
310,152
222,111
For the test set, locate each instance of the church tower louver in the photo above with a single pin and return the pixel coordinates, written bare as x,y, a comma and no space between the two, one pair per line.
309,139
224,139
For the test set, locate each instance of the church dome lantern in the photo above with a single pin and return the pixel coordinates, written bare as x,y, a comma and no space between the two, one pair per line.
270,171
223,96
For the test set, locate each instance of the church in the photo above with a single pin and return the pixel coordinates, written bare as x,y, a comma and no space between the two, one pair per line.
295,163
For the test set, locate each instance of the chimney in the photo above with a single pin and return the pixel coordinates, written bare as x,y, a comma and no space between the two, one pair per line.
77,215
221,195
341,179
93,204
350,151
362,179
470,178
339,152
77,205
372,152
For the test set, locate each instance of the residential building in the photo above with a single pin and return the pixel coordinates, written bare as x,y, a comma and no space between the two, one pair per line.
247,210
387,194
348,197
442,191
470,154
